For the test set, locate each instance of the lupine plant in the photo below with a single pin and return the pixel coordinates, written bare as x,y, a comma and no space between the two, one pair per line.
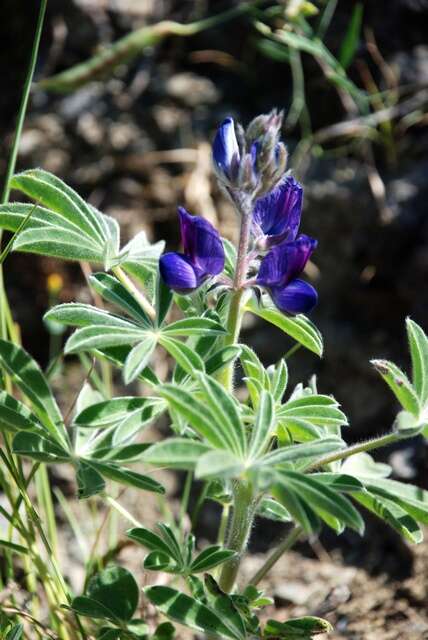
270,452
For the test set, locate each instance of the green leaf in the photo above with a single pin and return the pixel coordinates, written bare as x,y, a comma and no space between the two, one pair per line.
211,557
216,464
294,504
188,359
175,453
279,380
197,414
253,368
138,358
27,375
193,327
301,451
150,540
37,447
109,412
364,467
90,608
116,589
221,359
126,476
299,327
413,500
16,633
392,513
76,314
12,420
263,426
224,605
225,410
351,40
297,628
99,337
399,384
51,192
273,510
164,297
316,409
58,243
189,612
339,481
113,291
15,548
418,342
323,500
157,561
89,481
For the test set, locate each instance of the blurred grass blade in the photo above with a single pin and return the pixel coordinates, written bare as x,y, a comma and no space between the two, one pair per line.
351,40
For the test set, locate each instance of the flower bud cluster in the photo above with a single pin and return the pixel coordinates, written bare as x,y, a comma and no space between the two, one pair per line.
251,161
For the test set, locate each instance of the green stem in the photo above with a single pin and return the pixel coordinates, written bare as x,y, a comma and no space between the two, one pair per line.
242,519
360,447
288,542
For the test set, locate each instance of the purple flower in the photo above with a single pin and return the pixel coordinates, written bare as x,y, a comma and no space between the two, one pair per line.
276,216
279,271
202,257
225,149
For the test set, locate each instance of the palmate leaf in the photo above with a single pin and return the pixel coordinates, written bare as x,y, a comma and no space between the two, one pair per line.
75,314
198,415
89,481
193,327
305,496
211,557
413,500
112,290
191,613
28,376
175,453
298,327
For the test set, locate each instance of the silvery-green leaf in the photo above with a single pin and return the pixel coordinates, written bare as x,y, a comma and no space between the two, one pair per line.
138,358
399,384
418,342
100,337
112,290
300,328
175,453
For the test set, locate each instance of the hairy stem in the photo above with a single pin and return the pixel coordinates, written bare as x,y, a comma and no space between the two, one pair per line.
288,542
360,447
244,506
